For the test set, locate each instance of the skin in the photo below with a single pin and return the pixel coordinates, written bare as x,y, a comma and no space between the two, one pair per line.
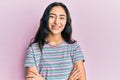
57,22
78,72
32,74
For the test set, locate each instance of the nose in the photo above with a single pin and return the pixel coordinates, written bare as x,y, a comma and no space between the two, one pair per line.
57,21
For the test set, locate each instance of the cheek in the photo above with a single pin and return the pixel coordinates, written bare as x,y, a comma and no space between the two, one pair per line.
50,21
63,26
64,23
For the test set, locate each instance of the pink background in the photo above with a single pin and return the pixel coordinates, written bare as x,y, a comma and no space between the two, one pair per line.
96,25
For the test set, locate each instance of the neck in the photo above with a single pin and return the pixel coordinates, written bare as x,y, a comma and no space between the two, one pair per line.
54,39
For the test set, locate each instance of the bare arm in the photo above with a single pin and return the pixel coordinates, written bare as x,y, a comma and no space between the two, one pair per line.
33,74
78,72
80,66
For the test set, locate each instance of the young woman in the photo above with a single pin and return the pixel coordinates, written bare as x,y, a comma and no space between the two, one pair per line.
53,54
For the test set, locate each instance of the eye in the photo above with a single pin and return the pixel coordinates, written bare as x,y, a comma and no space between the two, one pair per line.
62,18
52,16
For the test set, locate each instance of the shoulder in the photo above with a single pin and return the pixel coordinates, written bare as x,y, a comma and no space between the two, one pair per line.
33,46
74,45
34,49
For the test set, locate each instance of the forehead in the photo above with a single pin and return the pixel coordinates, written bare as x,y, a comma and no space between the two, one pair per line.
58,10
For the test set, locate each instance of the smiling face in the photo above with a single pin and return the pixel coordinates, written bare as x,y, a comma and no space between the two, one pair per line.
57,20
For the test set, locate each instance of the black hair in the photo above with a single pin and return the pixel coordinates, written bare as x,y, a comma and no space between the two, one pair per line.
43,30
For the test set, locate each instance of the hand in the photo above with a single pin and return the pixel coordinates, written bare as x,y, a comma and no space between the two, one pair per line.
75,74
35,76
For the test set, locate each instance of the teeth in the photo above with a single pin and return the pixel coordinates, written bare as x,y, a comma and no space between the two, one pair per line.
55,27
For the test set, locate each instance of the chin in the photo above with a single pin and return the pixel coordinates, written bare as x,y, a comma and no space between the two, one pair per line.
56,32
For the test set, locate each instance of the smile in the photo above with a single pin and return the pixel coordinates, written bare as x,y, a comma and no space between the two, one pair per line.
55,27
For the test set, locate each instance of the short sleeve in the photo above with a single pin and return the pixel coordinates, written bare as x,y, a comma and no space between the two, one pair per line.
29,58
77,54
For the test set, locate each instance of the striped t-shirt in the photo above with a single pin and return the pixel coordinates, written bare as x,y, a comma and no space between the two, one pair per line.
55,62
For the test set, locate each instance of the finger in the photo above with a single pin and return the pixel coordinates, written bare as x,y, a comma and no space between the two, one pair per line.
75,74
34,73
31,76
76,71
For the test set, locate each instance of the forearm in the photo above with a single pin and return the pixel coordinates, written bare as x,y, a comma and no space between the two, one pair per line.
82,74
81,70
35,78
32,74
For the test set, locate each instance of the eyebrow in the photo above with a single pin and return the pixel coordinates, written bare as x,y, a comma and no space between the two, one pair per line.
55,14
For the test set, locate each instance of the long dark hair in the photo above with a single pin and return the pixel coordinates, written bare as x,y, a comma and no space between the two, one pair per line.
43,30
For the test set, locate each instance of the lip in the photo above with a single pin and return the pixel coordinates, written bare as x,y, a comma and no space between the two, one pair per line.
55,27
